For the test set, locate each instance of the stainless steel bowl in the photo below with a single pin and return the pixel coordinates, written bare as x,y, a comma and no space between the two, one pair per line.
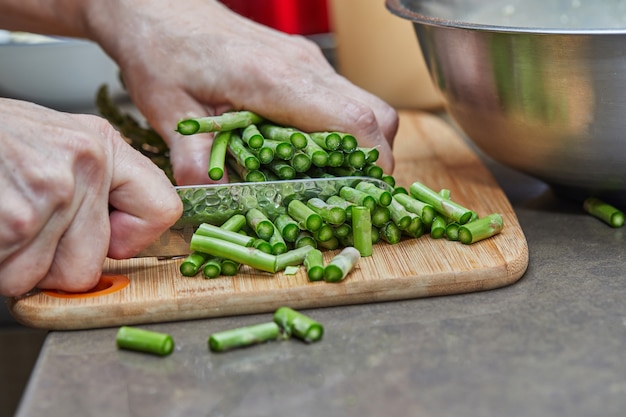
538,85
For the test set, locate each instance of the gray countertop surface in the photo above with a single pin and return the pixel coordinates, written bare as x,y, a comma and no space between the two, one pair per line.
552,344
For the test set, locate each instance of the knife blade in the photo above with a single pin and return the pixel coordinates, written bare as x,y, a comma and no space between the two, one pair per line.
215,203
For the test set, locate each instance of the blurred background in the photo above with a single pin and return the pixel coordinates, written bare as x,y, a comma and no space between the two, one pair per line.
360,38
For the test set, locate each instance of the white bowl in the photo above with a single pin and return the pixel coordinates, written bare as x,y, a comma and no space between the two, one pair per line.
61,73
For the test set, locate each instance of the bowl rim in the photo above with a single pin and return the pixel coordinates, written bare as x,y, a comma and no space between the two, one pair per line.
398,8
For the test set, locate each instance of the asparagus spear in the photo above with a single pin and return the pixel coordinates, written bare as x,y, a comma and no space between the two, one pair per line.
438,227
141,340
252,136
212,267
331,141
259,222
331,214
480,229
292,257
224,249
207,229
217,160
444,206
604,211
341,264
425,211
243,336
314,263
299,325
287,226
362,230
224,122
382,196
358,197
238,149
304,215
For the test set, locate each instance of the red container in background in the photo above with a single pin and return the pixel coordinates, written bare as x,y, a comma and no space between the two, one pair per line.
303,17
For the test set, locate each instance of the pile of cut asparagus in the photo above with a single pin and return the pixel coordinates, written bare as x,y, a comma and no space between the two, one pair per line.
353,218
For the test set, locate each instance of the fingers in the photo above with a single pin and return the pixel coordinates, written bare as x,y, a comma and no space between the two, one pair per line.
189,155
144,202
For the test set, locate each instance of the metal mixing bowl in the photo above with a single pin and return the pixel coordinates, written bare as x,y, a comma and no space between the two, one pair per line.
538,85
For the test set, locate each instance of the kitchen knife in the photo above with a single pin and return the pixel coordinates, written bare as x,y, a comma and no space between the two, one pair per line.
215,203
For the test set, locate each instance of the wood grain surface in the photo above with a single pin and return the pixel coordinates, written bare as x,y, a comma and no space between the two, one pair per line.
428,150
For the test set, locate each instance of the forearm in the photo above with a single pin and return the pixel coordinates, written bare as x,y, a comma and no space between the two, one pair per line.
53,17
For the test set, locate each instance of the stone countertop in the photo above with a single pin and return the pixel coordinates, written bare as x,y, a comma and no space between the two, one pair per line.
552,344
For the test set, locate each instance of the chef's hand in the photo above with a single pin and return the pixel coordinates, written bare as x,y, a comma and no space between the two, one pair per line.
190,58
73,192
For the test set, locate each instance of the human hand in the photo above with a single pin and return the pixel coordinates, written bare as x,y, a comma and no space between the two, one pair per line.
73,192
194,58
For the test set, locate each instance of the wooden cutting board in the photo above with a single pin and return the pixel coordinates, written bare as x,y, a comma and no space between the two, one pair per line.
427,149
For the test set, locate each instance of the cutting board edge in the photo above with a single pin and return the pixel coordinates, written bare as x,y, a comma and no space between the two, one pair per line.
361,292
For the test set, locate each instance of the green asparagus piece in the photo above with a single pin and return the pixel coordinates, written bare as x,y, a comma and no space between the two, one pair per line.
604,211
373,170
304,215
212,268
305,238
224,122
438,227
389,179
282,169
192,264
416,227
317,154
343,230
329,244
241,153
371,154
287,226
331,214
341,264
355,159
217,159
141,340
331,141
348,142
358,197
301,162
383,197
224,249
446,207
234,223
390,233
425,211
400,190
277,242
262,226
299,325
264,154
252,136
452,231
380,215
292,257
480,229
362,230
335,158
282,150
244,173
262,245
207,229
243,336
228,267
400,215
314,263
285,134
335,200
324,233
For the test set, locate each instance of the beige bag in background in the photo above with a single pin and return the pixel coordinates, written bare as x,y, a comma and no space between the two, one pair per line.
379,52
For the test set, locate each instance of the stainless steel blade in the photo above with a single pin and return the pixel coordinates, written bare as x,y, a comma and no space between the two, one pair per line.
215,203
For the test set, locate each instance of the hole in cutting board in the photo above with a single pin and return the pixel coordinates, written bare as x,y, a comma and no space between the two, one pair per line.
108,284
